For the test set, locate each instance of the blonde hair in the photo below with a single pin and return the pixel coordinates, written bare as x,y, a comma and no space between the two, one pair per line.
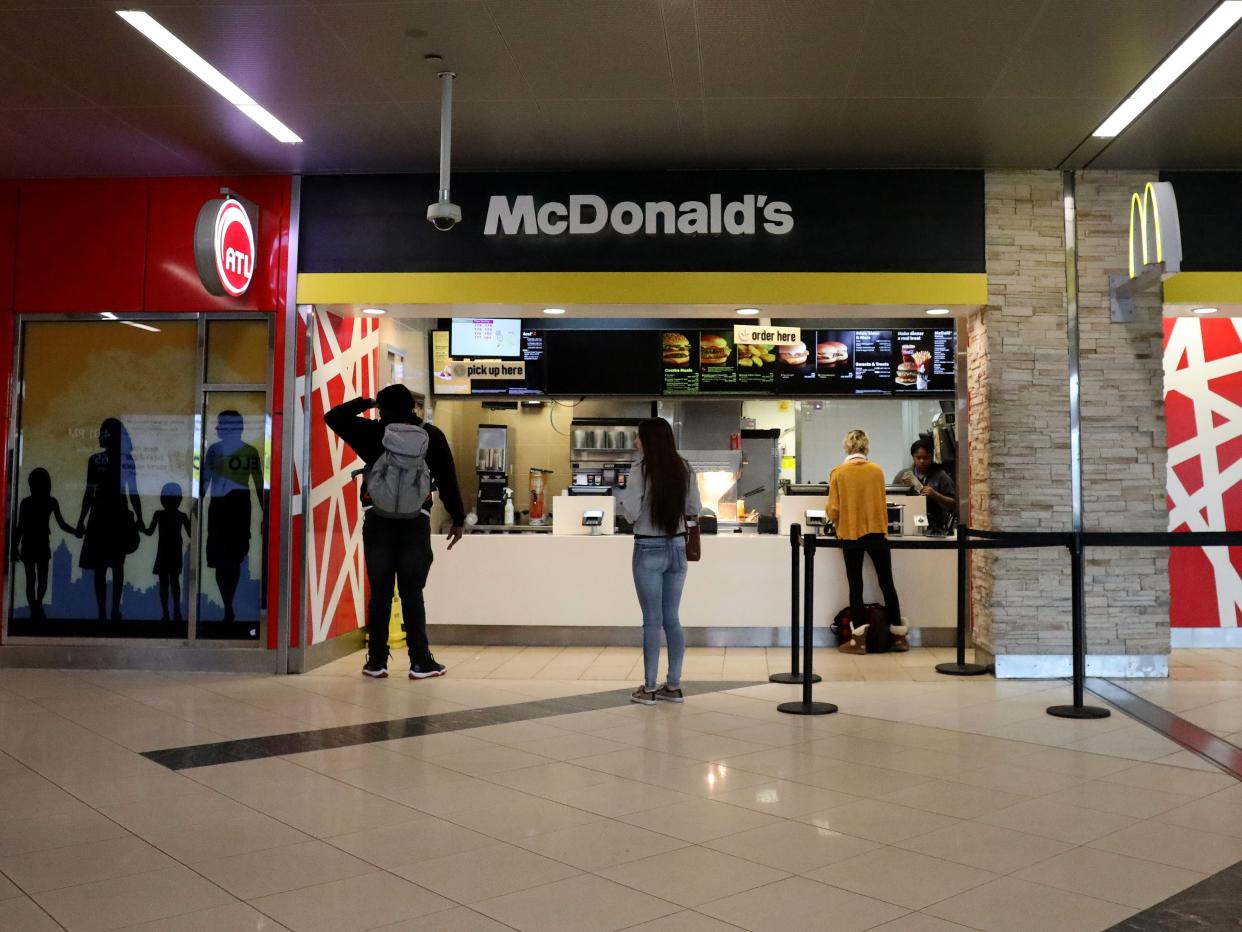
857,441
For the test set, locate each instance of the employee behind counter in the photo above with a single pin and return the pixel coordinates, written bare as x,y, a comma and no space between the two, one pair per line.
926,477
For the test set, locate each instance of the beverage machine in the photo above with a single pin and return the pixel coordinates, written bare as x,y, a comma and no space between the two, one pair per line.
491,463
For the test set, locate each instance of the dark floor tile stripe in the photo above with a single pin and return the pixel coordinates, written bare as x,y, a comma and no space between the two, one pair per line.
1212,748
1212,904
299,742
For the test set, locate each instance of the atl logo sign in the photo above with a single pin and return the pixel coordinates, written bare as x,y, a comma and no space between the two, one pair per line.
224,247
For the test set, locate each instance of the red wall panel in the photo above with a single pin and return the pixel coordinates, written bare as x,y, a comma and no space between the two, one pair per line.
172,282
81,246
8,243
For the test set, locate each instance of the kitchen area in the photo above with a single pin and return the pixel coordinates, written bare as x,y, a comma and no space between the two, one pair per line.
546,557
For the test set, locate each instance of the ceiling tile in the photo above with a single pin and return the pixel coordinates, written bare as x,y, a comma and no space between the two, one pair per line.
586,49
782,48
1180,134
951,48
1034,132
1097,48
374,38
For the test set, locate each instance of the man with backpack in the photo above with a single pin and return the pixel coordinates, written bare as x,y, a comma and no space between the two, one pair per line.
405,459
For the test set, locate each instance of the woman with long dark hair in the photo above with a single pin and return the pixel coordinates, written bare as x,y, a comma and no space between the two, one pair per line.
110,529
659,499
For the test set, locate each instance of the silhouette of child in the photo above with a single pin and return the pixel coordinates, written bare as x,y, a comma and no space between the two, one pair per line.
171,522
32,540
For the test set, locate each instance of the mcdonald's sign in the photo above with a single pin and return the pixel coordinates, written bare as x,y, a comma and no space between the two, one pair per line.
1155,233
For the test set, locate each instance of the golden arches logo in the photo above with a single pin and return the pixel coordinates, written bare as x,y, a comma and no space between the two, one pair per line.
1159,232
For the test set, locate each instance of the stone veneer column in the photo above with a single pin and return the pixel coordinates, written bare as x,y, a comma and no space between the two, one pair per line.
1019,432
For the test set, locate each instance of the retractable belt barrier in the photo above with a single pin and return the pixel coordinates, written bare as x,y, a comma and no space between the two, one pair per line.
968,539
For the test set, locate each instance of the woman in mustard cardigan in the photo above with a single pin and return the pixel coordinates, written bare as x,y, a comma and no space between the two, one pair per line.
858,509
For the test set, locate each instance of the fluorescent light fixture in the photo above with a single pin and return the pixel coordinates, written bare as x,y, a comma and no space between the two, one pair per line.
138,326
554,310
748,311
1206,310
938,311
199,67
374,311
1208,33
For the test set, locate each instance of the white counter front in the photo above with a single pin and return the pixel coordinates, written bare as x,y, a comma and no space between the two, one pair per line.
742,582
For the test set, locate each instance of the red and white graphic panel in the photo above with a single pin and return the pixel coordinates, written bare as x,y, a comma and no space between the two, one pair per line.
1203,408
345,359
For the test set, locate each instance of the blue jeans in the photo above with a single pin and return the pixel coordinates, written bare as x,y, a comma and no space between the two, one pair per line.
659,576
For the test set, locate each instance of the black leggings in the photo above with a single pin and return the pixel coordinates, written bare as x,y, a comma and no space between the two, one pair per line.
876,547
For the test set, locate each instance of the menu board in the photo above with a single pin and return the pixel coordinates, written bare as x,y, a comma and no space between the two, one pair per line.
452,375
928,360
581,363
868,362
705,362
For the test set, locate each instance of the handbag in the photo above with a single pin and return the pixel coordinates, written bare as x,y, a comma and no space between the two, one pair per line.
694,543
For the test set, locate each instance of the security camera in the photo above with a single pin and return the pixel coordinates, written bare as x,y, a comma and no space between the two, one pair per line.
444,215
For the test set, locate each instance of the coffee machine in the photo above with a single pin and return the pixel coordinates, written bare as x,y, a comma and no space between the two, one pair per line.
491,464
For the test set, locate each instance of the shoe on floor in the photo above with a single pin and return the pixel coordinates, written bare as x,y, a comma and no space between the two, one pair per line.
643,696
375,669
664,694
427,669
857,644
900,643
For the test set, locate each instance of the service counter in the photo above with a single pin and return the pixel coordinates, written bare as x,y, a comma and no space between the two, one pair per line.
538,589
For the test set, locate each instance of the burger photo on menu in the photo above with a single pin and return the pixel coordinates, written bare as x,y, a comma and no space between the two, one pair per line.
793,355
907,375
714,350
830,353
676,350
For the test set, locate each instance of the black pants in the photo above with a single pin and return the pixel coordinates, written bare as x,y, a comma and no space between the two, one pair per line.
876,547
398,555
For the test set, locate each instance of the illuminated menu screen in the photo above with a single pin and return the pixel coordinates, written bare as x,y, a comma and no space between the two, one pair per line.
454,375
868,362
709,362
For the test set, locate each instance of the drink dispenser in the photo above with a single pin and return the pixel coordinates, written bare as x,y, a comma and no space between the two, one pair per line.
538,512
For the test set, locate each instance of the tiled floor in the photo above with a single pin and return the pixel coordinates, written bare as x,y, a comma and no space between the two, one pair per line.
1204,687
928,804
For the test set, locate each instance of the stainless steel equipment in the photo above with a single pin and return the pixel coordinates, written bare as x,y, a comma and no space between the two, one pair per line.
896,519
492,466
603,453
761,470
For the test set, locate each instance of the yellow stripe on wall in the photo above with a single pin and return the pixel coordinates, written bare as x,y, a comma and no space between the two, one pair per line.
1204,288
642,288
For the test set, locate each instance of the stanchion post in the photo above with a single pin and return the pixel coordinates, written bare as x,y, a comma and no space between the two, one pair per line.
961,667
1078,634
807,706
793,676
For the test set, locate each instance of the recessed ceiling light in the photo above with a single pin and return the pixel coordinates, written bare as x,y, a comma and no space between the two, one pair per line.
554,310
1193,47
748,311
198,66
938,311
1206,310
373,311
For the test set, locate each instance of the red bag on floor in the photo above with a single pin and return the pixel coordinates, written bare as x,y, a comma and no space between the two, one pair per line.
879,642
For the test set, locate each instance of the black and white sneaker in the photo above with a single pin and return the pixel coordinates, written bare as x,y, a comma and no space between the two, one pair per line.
375,669
426,669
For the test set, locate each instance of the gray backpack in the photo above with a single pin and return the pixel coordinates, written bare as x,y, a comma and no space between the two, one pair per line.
398,483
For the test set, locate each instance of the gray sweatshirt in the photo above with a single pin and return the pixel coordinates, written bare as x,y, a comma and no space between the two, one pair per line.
632,503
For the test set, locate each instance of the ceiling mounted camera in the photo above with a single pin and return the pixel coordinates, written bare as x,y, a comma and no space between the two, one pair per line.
444,214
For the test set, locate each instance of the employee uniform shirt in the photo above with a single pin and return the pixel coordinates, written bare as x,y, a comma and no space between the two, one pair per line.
366,437
856,500
633,504
937,515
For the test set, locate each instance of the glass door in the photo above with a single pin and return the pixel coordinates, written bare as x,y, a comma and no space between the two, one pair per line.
132,440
